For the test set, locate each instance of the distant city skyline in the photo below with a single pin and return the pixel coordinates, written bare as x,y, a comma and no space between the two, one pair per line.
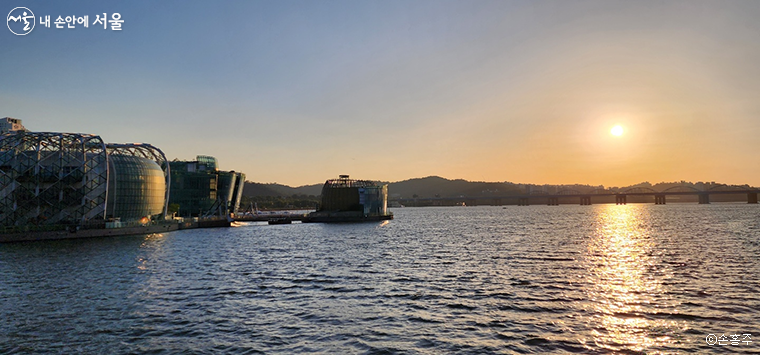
299,92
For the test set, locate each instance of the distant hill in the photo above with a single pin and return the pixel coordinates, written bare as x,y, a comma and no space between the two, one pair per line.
430,186
255,189
436,186
433,186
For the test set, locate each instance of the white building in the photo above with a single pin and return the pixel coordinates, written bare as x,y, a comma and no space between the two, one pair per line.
8,124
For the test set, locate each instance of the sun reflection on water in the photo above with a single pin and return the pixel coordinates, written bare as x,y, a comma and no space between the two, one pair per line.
623,286
151,244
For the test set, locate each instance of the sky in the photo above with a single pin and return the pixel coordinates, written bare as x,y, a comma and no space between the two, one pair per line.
297,92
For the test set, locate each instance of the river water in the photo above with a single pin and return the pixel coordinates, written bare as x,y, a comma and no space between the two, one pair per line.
459,280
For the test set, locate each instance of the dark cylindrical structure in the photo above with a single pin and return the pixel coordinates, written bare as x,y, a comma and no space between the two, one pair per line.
344,194
346,200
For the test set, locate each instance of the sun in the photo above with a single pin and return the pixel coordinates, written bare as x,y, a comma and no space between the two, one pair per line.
617,130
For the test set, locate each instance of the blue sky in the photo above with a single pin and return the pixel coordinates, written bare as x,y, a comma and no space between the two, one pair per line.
300,91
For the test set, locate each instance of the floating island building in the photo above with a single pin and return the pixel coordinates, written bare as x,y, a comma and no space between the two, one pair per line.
347,200
51,181
75,179
199,188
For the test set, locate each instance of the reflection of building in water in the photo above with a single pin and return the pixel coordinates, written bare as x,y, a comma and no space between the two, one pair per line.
199,188
49,178
346,200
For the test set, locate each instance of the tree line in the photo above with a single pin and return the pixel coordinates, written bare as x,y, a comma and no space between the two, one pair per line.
295,201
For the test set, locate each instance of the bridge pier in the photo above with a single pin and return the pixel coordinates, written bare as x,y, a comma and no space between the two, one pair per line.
552,201
751,197
704,199
522,201
659,199
620,199
585,200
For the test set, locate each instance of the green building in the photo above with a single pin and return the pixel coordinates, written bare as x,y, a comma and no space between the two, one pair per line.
198,188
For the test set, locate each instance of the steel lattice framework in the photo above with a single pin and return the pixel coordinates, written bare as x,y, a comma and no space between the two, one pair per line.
52,178
146,151
344,181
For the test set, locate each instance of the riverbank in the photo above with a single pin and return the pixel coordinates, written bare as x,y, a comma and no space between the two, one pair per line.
76,233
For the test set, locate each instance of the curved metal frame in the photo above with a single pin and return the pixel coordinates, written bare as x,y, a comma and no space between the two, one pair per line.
639,189
346,182
724,187
682,188
147,151
52,178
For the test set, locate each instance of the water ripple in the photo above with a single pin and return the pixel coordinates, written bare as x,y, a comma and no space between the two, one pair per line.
631,279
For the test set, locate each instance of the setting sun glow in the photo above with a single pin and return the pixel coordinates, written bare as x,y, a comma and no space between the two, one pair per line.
617,130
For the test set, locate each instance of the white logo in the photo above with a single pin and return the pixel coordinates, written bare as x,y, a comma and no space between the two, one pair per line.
18,21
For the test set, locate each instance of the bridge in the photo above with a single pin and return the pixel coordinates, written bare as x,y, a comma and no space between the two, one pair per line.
621,197
264,217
